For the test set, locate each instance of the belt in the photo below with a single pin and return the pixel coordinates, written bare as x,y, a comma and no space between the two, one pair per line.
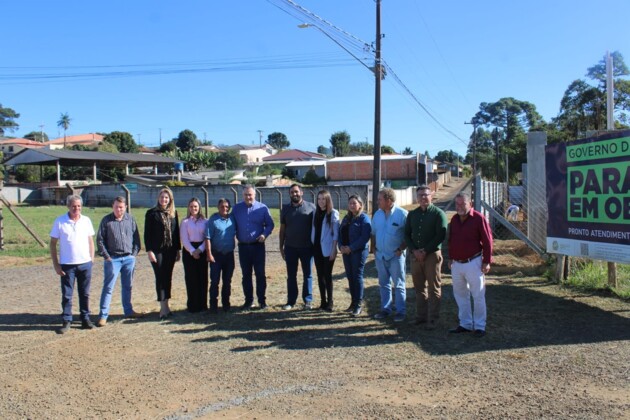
467,260
120,255
250,243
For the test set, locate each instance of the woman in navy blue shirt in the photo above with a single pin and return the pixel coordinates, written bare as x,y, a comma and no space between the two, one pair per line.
354,234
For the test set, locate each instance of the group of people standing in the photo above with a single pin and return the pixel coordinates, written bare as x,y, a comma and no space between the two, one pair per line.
309,233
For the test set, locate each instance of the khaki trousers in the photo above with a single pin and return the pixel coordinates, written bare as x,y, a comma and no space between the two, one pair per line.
427,280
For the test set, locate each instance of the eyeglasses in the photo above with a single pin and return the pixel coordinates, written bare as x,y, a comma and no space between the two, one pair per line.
423,195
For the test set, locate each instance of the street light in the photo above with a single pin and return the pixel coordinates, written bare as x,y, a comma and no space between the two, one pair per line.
378,75
225,169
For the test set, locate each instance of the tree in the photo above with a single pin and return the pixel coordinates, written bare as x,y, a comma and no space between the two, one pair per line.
186,140
509,119
583,106
123,141
64,122
323,150
232,159
387,150
39,136
168,146
266,169
340,142
7,117
107,147
278,141
407,151
448,156
311,178
362,147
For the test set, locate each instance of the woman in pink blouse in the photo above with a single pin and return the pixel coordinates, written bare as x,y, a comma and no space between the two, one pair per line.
192,234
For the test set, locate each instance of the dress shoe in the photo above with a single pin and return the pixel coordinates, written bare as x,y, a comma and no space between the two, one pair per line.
479,333
65,327
213,310
226,307
381,315
459,330
247,306
398,318
262,307
86,324
134,315
101,322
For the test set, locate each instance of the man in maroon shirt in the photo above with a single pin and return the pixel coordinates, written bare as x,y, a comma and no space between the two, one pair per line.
470,252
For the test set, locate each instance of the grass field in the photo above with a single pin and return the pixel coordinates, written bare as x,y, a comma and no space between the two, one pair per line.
19,243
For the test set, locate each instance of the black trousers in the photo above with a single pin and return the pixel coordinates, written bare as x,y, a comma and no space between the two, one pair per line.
324,268
196,278
163,270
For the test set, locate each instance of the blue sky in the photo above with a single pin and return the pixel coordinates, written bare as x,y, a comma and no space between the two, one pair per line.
226,69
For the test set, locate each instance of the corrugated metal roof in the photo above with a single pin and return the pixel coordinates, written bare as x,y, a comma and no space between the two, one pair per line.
81,158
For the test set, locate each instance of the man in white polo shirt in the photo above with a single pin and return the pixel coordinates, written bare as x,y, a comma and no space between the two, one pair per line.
74,233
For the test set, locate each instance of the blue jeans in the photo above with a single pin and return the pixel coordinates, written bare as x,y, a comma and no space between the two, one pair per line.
252,256
389,271
223,264
305,257
82,273
354,265
124,266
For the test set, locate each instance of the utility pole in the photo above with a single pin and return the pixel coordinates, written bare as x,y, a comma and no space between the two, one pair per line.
474,122
41,132
610,123
378,74
160,136
260,133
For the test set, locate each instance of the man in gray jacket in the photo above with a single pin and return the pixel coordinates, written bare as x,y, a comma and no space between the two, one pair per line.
118,242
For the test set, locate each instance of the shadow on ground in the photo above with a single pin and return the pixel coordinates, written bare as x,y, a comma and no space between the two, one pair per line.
521,315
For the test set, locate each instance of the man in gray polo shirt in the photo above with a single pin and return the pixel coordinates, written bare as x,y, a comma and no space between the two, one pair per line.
296,222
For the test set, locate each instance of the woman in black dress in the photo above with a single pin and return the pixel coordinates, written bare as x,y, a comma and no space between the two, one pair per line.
161,240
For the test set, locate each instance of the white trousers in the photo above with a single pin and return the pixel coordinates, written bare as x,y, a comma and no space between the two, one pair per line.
469,281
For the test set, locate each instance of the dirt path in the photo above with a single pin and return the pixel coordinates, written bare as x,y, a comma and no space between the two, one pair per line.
549,353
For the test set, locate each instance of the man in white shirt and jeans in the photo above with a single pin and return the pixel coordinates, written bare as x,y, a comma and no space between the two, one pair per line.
74,233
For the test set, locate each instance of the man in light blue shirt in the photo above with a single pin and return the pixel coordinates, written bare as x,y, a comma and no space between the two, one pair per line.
388,229
253,225
220,233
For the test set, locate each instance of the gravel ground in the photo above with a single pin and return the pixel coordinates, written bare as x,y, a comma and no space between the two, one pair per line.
549,353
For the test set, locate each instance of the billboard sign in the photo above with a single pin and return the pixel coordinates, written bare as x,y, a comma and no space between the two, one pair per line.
588,197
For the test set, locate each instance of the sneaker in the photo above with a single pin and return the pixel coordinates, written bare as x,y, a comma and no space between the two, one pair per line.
381,315
308,306
350,308
247,306
86,324
101,322
65,327
287,307
262,306
400,318
357,310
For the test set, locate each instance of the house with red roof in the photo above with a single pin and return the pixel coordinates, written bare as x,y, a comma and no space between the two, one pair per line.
10,147
89,139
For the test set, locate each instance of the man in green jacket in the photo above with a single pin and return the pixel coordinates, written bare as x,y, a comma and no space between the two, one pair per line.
425,230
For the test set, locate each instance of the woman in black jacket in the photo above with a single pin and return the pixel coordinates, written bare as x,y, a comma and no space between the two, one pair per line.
162,242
